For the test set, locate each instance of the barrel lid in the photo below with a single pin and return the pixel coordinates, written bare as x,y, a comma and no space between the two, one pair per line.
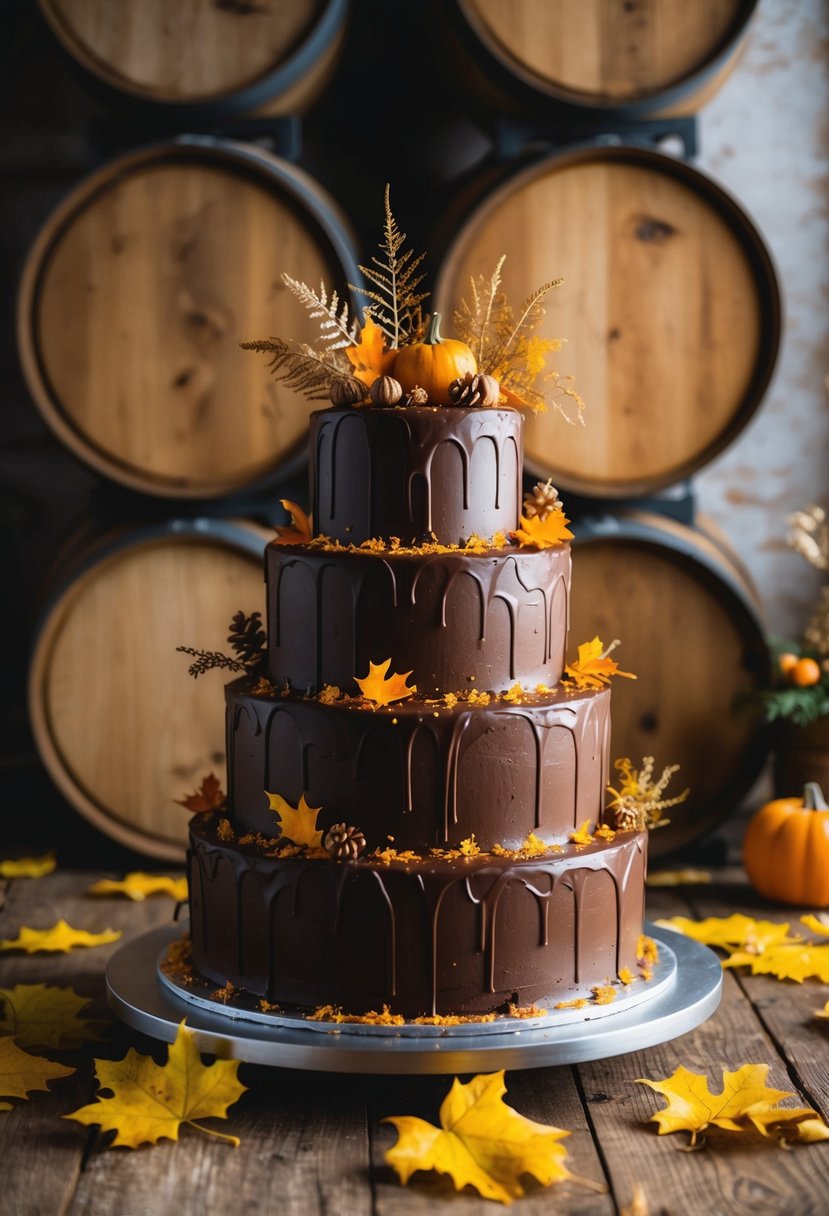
136,295
670,309
121,727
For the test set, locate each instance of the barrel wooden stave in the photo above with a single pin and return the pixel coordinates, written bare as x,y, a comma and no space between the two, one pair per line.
197,53
691,634
670,310
135,299
644,56
122,729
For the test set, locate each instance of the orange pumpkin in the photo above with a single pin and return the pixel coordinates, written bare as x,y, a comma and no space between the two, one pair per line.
786,849
805,672
433,363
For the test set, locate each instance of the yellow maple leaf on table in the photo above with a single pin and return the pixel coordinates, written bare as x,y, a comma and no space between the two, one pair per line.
481,1142
375,687
151,1101
763,945
297,823
593,668
730,932
745,1102
824,1012
298,532
543,533
42,1015
22,1073
28,867
369,357
138,885
60,938
679,878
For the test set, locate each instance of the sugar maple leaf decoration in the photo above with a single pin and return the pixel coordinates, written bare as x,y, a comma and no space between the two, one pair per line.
764,946
42,1015
593,668
138,885
21,1073
481,1142
298,532
151,1101
543,533
208,797
369,357
745,1103
28,867
297,823
59,939
375,687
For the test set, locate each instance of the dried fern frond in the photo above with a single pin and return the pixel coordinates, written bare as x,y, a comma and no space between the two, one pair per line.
206,660
531,312
337,329
472,319
394,298
809,536
300,367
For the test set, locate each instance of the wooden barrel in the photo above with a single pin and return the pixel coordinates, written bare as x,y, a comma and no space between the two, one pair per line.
626,57
670,309
137,293
690,631
211,55
121,727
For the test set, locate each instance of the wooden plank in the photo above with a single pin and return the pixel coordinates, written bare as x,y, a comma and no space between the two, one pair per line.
732,1174
786,1009
548,1095
42,1154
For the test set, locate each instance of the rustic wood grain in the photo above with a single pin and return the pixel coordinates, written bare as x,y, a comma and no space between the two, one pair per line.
664,308
108,689
182,52
606,50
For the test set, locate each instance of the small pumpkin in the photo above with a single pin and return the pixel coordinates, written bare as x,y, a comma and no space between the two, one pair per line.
786,849
347,390
805,673
787,662
433,363
385,391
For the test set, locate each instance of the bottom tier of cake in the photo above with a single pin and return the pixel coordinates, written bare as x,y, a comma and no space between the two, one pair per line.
435,935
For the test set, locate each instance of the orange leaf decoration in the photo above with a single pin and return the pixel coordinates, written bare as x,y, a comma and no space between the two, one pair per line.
209,797
375,687
298,532
297,823
370,358
593,668
543,533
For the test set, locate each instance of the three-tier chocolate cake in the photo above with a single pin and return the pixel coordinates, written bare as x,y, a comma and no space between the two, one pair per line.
451,857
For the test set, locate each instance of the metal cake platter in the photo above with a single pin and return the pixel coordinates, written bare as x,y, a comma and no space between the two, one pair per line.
685,990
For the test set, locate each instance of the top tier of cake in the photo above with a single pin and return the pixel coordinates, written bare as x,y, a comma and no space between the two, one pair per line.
417,473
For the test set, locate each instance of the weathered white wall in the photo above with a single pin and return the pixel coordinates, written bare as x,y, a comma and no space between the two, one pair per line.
765,137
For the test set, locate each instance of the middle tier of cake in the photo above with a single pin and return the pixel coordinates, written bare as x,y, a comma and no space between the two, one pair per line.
421,773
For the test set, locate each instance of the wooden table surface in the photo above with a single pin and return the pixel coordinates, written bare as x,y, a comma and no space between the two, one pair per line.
314,1144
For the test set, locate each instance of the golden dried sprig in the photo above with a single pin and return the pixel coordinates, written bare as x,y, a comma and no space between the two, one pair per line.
638,803
809,536
300,367
394,298
337,329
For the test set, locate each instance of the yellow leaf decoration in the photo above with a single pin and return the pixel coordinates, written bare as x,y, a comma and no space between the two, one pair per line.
41,1015
593,668
791,960
28,867
21,1073
730,932
375,687
370,358
481,1142
298,532
764,946
297,823
60,939
679,878
138,885
151,1101
824,1012
745,1102
543,533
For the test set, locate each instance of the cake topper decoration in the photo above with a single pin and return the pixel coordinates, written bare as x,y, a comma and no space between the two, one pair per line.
543,532
247,638
593,668
638,803
344,843
376,687
297,823
299,531
208,797
495,345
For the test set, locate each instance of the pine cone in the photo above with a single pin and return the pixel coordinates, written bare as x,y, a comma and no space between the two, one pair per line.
344,843
247,637
418,396
630,818
471,389
541,500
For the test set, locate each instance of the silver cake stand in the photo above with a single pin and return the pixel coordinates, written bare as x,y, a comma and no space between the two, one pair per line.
684,991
